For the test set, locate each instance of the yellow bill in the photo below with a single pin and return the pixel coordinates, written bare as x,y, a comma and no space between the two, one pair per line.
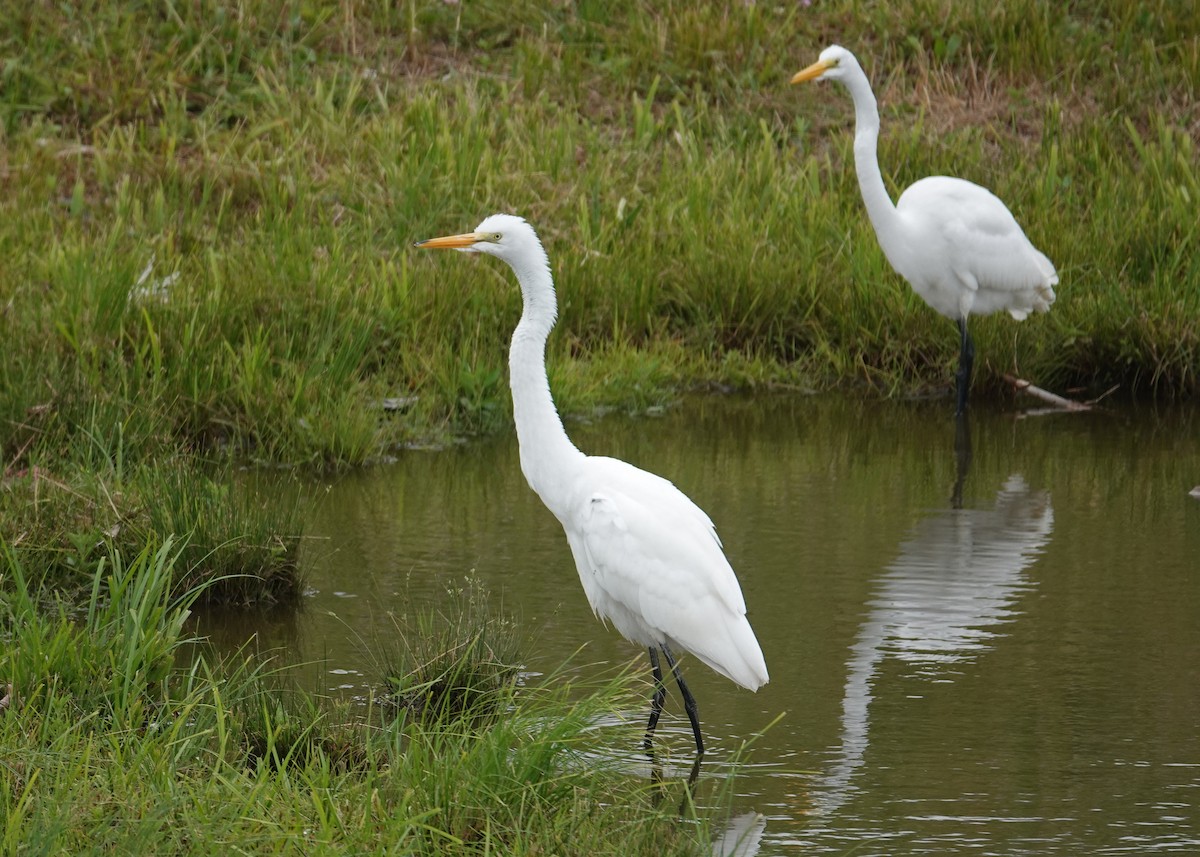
451,242
813,71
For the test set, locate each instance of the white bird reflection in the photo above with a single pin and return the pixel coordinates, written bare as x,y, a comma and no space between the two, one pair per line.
742,837
956,579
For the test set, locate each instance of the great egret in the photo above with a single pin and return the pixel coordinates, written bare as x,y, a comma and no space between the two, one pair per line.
954,241
649,558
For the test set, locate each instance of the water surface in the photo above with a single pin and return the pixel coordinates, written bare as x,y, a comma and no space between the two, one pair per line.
996,653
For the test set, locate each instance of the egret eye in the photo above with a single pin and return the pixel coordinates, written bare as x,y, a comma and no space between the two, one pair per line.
494,237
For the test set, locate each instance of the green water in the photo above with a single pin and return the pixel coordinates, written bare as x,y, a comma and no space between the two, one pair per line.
993,654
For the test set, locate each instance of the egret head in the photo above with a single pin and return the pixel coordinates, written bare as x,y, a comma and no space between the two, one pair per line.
834,63
504,236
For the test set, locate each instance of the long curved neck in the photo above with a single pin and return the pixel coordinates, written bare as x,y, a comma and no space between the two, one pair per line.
880,208
545,448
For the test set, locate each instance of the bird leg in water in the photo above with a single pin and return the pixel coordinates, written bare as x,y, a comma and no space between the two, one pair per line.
966,358
962,457
660,697
689,787
656,703
689,701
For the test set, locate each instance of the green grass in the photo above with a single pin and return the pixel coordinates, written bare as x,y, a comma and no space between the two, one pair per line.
454,663
244,550
116,741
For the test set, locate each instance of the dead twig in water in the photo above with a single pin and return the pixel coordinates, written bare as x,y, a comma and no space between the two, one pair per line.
1046,396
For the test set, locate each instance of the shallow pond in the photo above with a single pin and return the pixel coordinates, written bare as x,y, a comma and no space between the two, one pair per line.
996,653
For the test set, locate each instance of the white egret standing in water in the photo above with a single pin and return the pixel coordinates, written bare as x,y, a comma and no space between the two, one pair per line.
955,242
649,558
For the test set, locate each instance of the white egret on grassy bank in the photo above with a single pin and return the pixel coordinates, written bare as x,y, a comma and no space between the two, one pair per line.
649,558
955,242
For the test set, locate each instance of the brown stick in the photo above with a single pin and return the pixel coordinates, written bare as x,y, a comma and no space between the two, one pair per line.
1046,396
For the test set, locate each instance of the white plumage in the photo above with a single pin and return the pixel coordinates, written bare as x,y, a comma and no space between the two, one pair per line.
651,563
955,242
649,558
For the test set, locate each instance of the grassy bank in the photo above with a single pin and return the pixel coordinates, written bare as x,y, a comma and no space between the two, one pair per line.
113,741
210,210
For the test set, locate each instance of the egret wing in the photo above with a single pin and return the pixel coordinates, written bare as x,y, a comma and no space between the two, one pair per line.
658,535
652,565
986,247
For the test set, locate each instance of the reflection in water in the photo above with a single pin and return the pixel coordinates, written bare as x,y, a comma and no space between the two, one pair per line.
957,576
962,458
742,838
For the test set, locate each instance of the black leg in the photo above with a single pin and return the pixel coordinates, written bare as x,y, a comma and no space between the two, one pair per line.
962,457
656,702
687,803
966,359
689,701
658,791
